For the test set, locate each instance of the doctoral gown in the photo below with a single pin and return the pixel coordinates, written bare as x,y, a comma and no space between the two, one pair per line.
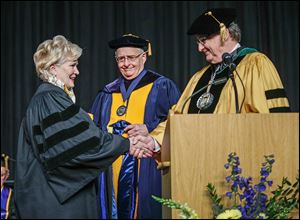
258,83
60,154
137,180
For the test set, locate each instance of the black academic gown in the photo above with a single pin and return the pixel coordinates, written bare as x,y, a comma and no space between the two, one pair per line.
60,154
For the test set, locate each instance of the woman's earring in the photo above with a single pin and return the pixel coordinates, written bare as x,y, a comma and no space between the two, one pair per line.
52,78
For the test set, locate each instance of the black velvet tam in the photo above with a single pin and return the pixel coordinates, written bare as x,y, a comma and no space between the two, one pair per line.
129,40
206,25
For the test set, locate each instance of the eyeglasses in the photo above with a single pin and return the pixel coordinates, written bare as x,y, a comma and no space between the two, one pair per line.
130,58
201,40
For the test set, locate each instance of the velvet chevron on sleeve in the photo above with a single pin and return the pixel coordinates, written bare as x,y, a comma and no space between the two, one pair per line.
60,154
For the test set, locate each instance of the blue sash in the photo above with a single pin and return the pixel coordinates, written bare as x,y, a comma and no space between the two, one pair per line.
127,180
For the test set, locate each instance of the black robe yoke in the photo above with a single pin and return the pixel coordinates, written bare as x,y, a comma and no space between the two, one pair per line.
60,154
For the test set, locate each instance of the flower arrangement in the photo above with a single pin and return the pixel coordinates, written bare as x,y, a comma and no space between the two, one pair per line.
185,211
249,201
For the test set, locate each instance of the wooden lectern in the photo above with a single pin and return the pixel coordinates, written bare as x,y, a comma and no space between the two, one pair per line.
196,147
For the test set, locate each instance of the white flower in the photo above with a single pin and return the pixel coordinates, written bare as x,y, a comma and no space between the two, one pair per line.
262,216
230,214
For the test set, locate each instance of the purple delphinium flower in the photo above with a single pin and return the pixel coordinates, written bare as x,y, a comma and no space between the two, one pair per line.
252,199
264,172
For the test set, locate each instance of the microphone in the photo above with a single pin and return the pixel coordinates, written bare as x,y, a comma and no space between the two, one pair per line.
216,82
227,59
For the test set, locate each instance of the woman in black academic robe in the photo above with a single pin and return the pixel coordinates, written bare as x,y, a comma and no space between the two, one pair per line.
60,150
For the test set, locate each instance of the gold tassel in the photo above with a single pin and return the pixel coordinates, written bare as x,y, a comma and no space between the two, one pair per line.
223,32
221,25
149,49
6,158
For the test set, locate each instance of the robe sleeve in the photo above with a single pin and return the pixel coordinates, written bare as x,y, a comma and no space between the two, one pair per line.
267,93
165,95
100,109
68,146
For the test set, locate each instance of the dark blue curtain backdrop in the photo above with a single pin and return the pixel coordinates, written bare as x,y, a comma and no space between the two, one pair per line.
271,27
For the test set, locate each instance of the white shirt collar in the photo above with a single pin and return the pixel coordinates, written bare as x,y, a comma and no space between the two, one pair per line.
235,47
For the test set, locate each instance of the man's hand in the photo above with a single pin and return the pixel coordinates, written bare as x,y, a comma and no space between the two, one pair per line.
136,129
141,146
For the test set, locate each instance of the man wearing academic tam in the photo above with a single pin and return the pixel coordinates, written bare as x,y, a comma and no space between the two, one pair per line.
236,79
136,102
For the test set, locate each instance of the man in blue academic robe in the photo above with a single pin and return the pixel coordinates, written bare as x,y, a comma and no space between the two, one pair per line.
139,96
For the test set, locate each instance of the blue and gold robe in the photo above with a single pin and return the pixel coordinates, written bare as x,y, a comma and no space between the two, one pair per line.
135,180
6,195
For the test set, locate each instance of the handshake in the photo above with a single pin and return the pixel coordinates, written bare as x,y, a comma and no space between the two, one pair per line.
142,145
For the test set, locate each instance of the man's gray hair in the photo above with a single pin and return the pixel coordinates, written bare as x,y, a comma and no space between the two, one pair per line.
235,31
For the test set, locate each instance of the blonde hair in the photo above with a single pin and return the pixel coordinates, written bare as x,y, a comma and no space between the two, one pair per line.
55,51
